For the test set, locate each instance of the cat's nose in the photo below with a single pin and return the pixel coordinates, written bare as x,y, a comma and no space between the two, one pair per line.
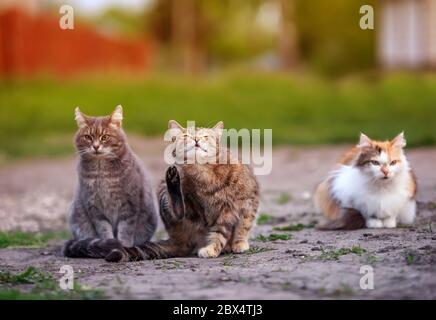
96,147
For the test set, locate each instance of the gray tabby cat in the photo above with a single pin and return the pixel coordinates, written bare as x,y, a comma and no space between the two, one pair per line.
114,207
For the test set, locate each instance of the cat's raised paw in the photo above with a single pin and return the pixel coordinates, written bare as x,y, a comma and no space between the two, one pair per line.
240,246
172,177
208,252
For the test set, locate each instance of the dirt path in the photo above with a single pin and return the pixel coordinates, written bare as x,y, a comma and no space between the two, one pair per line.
34,196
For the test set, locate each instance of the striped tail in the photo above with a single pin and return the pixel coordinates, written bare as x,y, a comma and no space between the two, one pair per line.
149,251
109,249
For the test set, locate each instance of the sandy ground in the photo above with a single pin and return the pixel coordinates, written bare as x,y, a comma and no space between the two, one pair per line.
34,196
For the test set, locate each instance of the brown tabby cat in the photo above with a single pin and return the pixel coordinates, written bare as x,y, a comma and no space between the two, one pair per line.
206,208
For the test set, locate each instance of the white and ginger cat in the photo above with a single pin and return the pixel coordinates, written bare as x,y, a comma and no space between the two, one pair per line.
372,187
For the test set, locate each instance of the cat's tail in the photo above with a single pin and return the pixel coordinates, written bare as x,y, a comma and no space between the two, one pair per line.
338,218
96,248
347,219
149,251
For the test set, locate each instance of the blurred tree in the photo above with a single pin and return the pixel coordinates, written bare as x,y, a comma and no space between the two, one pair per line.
188,33
322,35
198,33
330,39
236,35
119,21
180,26
288,38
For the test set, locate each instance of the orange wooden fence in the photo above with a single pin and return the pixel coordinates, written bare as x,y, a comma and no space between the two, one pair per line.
35,44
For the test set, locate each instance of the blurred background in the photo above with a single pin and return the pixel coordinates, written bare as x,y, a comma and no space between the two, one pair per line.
301,67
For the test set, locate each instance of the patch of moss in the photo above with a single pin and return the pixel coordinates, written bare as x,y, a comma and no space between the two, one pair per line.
15,286
336,254
264,218
283,198
254,250
410,259
29,239
295,227
274,237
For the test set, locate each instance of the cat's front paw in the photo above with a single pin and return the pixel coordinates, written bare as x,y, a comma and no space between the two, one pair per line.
172,177
390,223
240,246
209,251
374,223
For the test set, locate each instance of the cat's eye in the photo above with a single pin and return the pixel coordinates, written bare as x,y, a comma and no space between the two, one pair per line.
393,162
88,137
375,163
104,138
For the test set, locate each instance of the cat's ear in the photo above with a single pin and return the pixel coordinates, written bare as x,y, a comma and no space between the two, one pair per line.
218,128
175,129
117,117
364,141
399,141
80,118
173,124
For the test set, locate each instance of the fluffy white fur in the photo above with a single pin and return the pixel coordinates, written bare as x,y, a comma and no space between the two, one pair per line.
382,202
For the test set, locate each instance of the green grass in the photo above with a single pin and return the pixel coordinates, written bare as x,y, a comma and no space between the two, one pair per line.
27,239
274,237
36,116
283,198
255,250
169,265
371,259
35,284
264,219
295,227
336,254
410,259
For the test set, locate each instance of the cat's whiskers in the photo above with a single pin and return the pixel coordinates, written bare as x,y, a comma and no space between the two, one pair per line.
81,152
